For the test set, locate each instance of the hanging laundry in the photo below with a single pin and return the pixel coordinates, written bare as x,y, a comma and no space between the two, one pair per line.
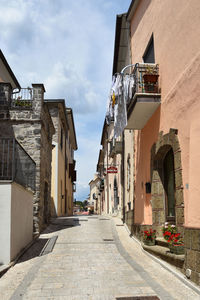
113,99
121,93
120,116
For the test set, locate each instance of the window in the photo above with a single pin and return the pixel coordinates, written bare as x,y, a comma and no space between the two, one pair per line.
149,56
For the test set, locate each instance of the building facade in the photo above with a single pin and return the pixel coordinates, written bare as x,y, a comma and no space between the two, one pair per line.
25,118
71,174
166,145
62,181
160,140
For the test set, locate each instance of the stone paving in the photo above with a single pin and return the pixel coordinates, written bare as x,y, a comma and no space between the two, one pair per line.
93,259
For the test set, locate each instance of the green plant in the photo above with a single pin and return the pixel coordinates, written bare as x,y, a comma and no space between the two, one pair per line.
22,103
150,70
171,235
149,235
168,230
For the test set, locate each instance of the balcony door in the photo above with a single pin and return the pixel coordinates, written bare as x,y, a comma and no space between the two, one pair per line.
169,185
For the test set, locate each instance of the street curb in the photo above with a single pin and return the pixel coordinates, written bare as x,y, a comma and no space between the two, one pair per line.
165,265
5,268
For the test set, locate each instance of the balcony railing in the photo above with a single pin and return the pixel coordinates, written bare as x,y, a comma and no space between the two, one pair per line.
115,147
146,79
22,99
15,164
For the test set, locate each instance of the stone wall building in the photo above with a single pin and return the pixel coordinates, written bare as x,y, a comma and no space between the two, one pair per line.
25,117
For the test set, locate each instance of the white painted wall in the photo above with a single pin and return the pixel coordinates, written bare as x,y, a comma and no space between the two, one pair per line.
5,223
16,220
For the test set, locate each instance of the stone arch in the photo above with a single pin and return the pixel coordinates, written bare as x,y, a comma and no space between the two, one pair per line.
158,153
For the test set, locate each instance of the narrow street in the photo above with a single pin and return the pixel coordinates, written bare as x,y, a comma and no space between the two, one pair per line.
93,258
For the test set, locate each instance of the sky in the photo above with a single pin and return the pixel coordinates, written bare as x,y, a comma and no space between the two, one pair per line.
68,46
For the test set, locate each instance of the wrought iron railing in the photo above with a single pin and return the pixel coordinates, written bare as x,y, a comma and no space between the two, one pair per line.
23,99
15,163
146,78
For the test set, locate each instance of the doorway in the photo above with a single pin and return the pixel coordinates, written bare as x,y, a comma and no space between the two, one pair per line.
169,185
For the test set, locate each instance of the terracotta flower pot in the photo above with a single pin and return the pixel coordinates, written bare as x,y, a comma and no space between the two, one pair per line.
153,78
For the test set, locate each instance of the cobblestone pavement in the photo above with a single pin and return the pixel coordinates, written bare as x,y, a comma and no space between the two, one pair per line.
93,258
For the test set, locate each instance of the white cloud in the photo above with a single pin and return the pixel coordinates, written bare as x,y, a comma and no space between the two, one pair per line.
79,92
68,46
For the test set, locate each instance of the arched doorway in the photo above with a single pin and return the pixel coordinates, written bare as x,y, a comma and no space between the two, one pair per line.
169,185
166,179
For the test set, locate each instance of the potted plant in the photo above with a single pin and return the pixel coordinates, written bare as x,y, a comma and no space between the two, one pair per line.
173,238
149,237
151,75
176,246
168,230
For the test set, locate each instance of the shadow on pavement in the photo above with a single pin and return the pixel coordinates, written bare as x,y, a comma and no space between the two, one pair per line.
34,250
56,224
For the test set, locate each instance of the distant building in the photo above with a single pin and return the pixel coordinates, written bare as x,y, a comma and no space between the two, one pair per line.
93,201
63,163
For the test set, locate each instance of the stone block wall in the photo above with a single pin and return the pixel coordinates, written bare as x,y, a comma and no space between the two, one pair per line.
54,112
129,219
192,253
33,129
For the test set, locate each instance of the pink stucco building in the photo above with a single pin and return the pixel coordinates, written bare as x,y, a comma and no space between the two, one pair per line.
166,120
159,160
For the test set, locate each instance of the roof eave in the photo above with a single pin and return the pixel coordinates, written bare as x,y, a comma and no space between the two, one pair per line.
12,75
132,9
70,112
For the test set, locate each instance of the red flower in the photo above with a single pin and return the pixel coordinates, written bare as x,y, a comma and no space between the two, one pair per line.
167,233
177,234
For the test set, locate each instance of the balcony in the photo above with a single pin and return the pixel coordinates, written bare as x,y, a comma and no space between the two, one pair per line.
146,95
115,147
15,164
19,100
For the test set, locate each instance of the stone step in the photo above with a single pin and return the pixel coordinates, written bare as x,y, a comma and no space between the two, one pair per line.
165,254
160,241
